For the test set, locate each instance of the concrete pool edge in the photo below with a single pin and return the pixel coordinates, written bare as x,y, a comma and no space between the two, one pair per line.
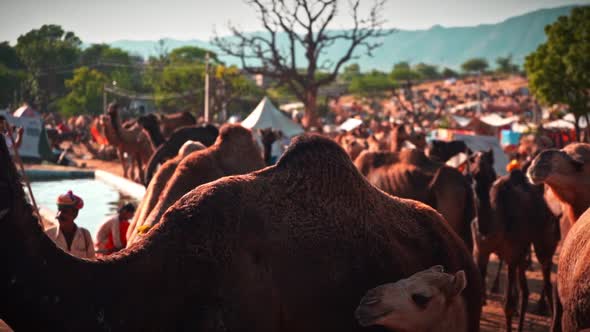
120,184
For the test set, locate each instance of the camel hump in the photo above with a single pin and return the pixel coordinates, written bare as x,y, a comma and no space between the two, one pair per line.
234,131
579,152
314,151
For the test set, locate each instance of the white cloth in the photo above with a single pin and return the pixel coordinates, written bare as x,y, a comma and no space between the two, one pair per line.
109,226
82,245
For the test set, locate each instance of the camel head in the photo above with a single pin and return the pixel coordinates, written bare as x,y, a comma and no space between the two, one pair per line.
561,168
190,146
149,122
269,136
417,303
443,151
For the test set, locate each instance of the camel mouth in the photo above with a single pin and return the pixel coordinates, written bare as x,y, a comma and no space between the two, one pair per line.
367,317
4,213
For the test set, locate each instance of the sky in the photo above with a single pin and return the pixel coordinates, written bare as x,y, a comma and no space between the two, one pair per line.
110,20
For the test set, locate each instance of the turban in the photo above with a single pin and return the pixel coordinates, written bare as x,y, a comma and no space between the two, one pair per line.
70,200
514,164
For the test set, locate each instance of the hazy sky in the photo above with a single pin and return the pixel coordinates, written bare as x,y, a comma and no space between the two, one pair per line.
108,20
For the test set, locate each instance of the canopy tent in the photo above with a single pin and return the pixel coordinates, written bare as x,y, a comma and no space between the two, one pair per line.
350,124
571,118
266,115
485,143
35,144
496,120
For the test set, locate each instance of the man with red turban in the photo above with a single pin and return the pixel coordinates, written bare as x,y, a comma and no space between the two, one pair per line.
67,235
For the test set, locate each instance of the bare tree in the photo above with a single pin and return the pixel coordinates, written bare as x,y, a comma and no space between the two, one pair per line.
305,25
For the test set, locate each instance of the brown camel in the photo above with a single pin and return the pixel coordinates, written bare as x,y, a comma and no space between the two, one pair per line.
170,122
205,134
268,137
573,279
229,256
161,178
567,173
234,152
410,174
426,301
151,125
132,140
514,217
442,151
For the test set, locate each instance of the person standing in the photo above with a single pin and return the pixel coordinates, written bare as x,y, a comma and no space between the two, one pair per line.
67,235
111,236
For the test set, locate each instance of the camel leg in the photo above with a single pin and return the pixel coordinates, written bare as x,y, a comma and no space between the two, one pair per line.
140,167
496,284
557,311
123,161
523,293
509,298
482,259
546,292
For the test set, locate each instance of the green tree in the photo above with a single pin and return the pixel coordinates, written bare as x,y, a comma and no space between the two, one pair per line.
372,84
116,63
505,65
11,75
191,54
403,72
350,72
49,55
558,71
427,71
230,89
181,88
449,73
85,96
474,65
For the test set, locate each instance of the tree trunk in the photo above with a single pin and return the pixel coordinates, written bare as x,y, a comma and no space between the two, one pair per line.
310,119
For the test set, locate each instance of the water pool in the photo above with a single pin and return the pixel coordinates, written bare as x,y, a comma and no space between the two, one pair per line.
100,199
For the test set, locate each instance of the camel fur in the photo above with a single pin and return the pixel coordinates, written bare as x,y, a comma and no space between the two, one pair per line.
288,248
410,174
234,152
573,279
155,188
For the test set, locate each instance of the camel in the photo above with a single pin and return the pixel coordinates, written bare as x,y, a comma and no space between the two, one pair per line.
152,127
516,216
268,137
567,173
442,151
204,134
132,140
170,122
572,309
161,178
234,152
426,301
410,174
230,256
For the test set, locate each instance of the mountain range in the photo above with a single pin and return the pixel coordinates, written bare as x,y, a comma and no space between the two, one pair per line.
443,46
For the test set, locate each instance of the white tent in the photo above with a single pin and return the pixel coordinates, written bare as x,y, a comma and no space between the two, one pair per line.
34,141
496,120
350,124
266,115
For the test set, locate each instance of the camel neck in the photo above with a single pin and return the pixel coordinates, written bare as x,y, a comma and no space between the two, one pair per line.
155,135
267,153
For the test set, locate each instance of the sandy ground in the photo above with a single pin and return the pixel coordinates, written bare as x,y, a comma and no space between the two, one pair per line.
492,315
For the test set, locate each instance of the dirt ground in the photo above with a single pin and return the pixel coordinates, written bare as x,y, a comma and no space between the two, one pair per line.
492,318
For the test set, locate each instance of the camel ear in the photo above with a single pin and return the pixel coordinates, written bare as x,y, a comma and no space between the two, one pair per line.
437,268
459,283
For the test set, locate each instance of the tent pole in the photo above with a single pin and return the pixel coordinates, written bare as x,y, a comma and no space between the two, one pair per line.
22,167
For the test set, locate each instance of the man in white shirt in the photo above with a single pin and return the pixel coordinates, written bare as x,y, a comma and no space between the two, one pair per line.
67,235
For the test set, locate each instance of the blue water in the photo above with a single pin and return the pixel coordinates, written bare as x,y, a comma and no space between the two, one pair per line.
100,199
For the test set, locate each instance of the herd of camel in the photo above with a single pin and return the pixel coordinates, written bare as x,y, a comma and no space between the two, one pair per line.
321,241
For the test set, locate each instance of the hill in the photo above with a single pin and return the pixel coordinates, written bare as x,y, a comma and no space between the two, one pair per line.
444,46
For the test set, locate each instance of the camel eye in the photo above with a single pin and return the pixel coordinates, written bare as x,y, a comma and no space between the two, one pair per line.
421,300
